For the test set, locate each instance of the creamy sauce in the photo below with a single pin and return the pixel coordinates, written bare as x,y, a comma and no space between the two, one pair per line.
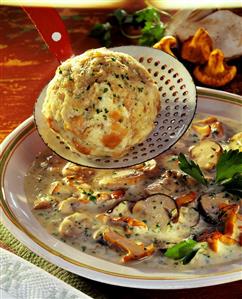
66,200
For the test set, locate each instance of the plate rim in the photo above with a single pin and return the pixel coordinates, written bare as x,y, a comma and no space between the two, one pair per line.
145,282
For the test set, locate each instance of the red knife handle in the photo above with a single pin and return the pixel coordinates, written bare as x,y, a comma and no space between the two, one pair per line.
52,29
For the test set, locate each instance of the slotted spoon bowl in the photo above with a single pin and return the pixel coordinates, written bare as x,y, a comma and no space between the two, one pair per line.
177,95
178,104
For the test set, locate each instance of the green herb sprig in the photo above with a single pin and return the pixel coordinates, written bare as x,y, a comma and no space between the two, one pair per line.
228,171
184,251
229,166
146,21
191,168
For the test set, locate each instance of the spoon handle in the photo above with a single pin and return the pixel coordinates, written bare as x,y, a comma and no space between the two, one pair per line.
52,29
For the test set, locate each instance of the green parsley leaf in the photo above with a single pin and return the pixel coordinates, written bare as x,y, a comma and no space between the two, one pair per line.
151,34
92,198
120,15
228,166
153,29
146,21
191,168
183,250
234,186
148,14
190,256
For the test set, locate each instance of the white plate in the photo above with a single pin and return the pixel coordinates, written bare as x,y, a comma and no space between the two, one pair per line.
19,150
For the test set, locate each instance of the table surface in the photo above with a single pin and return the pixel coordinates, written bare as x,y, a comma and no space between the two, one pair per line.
26,66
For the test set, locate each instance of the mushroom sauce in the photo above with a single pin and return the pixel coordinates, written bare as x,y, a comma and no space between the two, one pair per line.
132,216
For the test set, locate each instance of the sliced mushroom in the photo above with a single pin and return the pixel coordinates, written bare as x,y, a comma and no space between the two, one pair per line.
119,178
217,129
134,251
128,220
206,154
171,182
74,225
82,173
44,202
202,129
235,142
207,121
213,238
150,168
125,222
120,210
156,210
108,200
69,205
230,223
210,205
168,160
186,199
61,188
188,216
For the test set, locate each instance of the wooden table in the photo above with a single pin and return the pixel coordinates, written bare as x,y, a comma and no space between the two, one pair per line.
26,66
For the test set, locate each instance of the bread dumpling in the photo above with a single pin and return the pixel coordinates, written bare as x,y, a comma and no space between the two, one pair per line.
101,103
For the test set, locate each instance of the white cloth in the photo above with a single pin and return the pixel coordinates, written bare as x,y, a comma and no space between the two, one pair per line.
19,279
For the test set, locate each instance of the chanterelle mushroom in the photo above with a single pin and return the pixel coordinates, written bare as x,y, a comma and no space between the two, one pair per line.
208,126
197,48
235,142
224,27
166,43
216,72
134,251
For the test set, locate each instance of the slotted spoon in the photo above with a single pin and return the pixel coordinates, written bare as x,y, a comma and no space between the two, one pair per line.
177,94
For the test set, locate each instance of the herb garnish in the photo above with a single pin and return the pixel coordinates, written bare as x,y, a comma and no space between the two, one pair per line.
92,198
146,21
191,168
228,171
184,251
229,165
103,33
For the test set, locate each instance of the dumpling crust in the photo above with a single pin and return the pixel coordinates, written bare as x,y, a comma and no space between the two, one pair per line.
102,103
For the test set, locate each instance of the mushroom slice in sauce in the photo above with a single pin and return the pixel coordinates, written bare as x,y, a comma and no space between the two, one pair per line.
69,205
156,210
74,225
61,188
119,179
170,183
121,209
210,206
235,142
188,216
134,250
82,173
206,154
44,202
168,160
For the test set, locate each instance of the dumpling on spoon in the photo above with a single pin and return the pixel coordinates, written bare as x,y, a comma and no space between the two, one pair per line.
101,103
